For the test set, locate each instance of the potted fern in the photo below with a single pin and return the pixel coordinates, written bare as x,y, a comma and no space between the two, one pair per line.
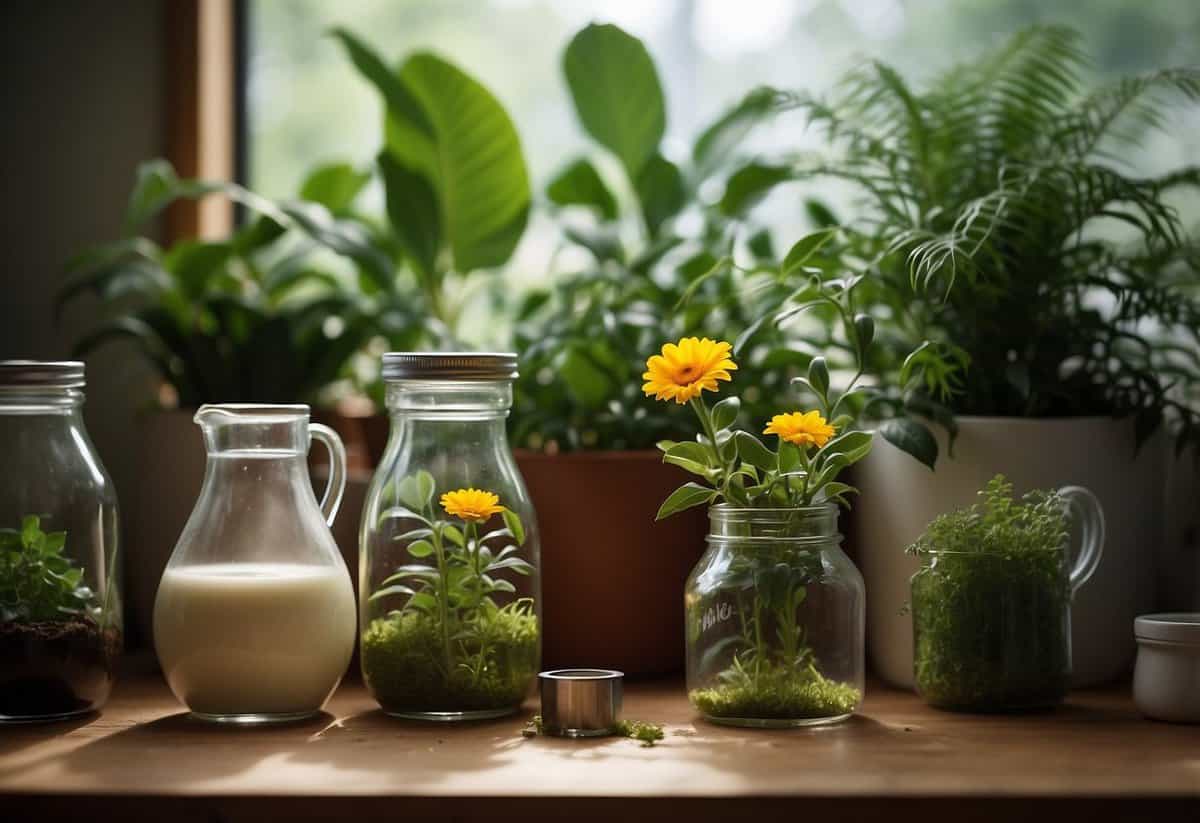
1003,234
582,426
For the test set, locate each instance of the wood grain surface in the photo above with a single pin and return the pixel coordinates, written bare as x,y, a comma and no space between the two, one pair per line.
143,758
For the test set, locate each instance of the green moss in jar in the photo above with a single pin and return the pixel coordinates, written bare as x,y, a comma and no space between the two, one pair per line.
990,604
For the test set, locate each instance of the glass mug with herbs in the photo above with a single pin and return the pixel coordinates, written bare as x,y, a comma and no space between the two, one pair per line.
991,603
774,609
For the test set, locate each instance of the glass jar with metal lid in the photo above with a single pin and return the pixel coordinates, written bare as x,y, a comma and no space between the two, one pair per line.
60,603
449,588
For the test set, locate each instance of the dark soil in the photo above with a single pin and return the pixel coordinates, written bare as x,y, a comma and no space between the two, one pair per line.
51,668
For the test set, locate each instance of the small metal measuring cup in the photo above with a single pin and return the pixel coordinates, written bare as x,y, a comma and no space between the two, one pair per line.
581,702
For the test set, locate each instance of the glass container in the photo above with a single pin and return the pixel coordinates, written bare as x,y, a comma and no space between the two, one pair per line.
775,616
448,585
254,621
60,599
992,630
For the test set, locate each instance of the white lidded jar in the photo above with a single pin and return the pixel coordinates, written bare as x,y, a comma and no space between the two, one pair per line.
1166,679
254,621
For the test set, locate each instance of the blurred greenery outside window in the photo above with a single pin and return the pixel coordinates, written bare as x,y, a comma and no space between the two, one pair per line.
306,105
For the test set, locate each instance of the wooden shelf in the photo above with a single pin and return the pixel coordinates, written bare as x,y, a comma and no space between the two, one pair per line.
1094,758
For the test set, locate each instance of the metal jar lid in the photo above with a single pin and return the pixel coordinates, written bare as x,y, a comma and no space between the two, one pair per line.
1172,627
581,702
53,374
467,365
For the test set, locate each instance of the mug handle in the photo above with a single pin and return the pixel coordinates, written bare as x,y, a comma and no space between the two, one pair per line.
337,469
1091,518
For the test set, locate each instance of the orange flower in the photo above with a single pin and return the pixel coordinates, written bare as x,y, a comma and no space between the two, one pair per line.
686,368
801,428
471,504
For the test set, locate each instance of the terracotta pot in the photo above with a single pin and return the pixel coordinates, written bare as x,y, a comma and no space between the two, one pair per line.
899,497
612,578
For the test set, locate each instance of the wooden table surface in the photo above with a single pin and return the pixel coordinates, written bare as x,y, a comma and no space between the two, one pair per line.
142,758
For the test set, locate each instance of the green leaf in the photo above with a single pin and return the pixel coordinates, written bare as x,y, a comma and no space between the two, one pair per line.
818,377
454,535
514,524
412,209
685,497
472,159
720,139
749,185
413,492
660,190
334,186
397,97
864,328
751,450
579,184
194,265
725,413
804,248
616,92
911,437
688,450
389,591
819,214
420,548
789,457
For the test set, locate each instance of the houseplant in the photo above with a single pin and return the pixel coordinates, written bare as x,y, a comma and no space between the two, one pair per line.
774,608
991,604
578,417
261,316
992,201
59,643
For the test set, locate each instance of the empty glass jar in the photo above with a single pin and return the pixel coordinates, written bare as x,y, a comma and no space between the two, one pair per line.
254,621
449,546
775,617
60,601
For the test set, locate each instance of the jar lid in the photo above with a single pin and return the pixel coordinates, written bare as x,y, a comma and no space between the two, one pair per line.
56,374
466,365
1174,627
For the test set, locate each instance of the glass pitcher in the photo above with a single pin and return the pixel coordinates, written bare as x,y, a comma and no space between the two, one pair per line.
254,621
992,630
60,602
449,546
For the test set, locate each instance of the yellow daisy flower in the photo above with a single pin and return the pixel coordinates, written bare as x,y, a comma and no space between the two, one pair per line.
471,504
801,428
686,368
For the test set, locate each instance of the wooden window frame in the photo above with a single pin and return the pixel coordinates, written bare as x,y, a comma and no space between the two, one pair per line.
205,42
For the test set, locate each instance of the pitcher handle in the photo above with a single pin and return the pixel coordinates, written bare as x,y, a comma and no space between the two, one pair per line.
337,469
1091,518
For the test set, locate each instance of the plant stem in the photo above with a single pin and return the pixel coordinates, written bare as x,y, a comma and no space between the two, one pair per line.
709,432
443,595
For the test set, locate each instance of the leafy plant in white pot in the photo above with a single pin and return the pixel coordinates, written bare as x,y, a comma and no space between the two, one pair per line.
1002,233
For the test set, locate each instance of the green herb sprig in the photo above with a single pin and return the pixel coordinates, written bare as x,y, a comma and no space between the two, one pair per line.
37,581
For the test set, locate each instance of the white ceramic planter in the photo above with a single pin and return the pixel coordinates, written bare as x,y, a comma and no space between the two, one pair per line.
899,497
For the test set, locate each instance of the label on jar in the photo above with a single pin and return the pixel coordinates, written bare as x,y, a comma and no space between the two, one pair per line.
716,614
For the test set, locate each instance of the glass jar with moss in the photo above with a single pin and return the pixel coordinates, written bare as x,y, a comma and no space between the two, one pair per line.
775,614
449,589
991,603
60,600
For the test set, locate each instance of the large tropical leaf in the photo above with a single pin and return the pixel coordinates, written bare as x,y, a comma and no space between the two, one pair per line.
472,159
616,92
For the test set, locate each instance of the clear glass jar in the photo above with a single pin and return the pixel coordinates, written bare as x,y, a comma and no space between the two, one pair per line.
449,589
775,617
254,619
60,600
991,630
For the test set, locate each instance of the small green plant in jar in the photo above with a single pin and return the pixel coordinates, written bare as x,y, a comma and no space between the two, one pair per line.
774,608
991,602
451,644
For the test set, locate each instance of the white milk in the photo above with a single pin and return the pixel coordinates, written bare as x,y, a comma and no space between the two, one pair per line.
254,638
